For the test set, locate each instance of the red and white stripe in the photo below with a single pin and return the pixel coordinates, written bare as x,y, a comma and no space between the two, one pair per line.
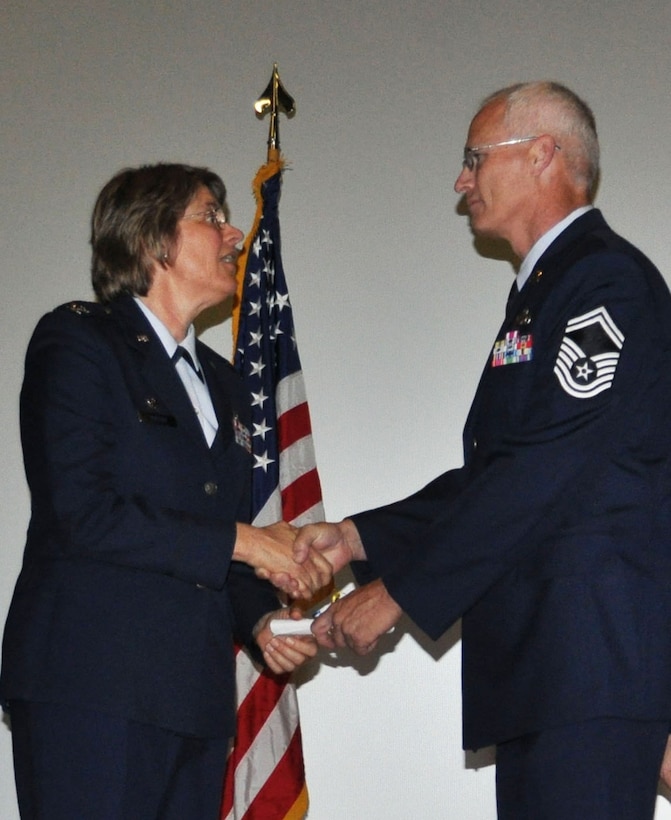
268,745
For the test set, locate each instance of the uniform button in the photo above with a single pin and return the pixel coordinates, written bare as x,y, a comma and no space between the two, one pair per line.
210,487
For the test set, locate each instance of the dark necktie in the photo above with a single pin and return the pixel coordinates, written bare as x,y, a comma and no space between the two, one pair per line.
514,291
183,353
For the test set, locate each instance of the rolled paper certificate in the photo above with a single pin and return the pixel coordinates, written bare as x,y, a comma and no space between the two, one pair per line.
287,626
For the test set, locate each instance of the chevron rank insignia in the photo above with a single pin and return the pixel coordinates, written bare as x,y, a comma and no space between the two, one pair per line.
588,354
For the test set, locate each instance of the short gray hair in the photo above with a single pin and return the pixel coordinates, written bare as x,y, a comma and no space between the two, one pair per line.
548,107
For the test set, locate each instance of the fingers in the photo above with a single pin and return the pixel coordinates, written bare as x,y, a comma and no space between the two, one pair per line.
278,579
283,653
270,551
315,537
305,580
301,580
303,543
330,634
283,581
340,543
286,653
358,620
319,570
282,531
333,629
323,629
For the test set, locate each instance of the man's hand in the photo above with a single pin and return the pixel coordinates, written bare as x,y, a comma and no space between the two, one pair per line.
283,653
270,551
340,543
358,620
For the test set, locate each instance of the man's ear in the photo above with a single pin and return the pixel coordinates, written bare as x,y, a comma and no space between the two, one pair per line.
542,152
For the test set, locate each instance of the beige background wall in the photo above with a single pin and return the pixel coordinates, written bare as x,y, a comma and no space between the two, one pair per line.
395,311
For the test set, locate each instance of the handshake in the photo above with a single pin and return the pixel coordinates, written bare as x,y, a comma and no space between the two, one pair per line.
302,561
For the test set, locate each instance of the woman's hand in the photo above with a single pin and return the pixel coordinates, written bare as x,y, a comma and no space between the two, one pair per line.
283,653
269,550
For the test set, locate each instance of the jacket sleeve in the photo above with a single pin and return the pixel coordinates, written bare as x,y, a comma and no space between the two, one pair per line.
586,467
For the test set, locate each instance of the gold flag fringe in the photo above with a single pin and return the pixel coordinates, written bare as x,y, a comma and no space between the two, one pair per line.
265,172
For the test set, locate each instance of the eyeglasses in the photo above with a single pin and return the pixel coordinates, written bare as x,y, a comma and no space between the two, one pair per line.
214,216
472,156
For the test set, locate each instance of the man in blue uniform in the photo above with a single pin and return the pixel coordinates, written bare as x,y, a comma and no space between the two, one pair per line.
553,541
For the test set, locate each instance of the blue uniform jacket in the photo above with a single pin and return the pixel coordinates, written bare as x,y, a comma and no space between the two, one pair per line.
553,541
128,600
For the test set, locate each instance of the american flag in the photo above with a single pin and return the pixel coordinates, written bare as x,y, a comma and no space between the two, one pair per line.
265,778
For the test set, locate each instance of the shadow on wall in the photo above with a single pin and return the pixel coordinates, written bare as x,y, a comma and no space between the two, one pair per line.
366,664
211,317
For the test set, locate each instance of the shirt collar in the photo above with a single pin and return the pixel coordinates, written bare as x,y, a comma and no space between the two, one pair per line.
166,337
542,244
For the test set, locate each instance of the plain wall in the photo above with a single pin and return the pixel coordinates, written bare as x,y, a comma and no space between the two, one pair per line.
395,310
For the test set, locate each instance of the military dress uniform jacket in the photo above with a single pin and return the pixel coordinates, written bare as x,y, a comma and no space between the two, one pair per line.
553,541
127,601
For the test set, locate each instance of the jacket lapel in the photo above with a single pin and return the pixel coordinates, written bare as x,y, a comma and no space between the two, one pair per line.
152,380
570,245
220,400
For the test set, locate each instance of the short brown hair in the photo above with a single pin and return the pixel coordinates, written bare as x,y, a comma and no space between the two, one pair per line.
134,223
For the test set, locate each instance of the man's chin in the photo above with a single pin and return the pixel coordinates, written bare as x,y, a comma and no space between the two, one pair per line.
479,226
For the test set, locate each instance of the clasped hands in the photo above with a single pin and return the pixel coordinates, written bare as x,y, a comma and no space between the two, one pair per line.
318,551
270,551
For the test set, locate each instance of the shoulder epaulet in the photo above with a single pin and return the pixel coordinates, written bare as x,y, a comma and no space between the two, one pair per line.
84,308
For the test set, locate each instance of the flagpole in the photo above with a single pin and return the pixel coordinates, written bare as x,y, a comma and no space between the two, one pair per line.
265,776
275,98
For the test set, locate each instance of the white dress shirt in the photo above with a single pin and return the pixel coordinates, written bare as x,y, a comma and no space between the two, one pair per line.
196,389
542,244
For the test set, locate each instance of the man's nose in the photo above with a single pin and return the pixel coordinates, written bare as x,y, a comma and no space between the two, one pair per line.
464,181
